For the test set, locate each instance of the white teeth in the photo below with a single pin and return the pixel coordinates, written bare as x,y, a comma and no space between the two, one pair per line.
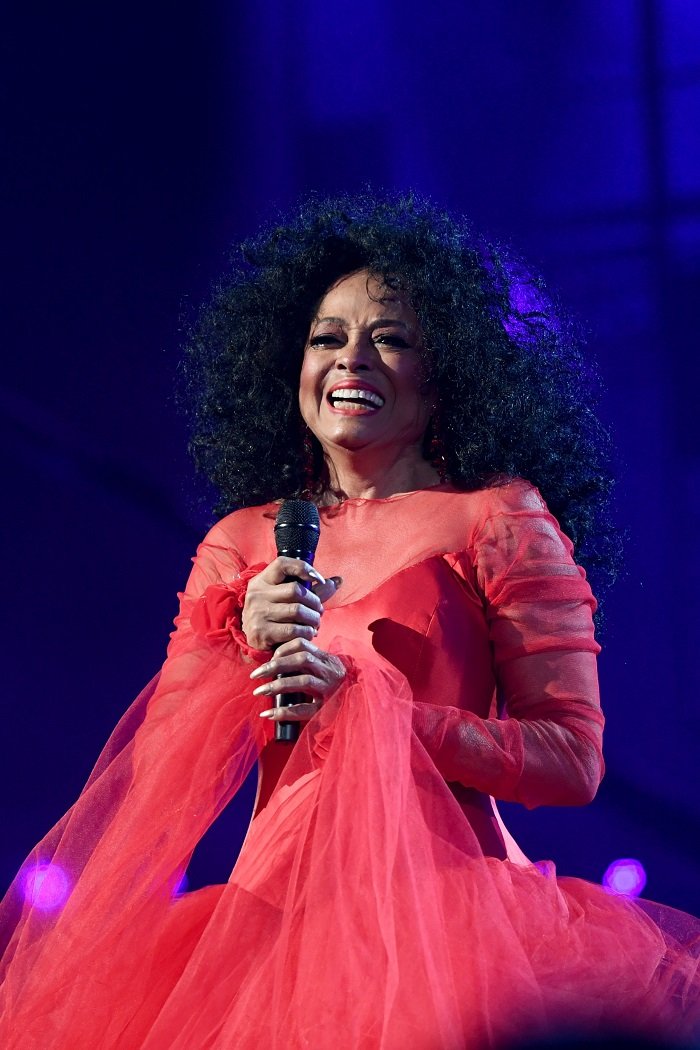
356,393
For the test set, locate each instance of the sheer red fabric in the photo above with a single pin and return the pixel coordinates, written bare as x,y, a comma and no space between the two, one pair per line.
378,902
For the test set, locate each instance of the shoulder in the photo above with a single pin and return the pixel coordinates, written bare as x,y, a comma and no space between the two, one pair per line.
514,519
509,496
246,534
504,500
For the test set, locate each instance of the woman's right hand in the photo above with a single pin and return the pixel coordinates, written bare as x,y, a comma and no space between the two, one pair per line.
275,611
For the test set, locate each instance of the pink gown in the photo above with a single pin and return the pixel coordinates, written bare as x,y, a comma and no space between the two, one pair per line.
378,901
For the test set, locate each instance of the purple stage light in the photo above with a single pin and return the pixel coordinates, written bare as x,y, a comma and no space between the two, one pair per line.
45,886
626,877
182,886
530,308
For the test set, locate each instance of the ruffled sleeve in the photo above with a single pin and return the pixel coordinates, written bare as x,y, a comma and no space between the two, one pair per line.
546,750
216,562
208,651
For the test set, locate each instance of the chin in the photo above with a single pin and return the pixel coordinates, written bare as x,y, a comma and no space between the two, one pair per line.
349,443
355,435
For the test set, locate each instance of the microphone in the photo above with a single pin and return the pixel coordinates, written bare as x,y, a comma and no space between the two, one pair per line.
297,530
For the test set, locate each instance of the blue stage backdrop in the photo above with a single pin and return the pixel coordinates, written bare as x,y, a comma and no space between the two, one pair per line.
143,140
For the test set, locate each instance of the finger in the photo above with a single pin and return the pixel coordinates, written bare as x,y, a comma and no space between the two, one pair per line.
294,613
326,590
293,663
293,713
297,645
279,569
297,655
278,634
294,592
297,683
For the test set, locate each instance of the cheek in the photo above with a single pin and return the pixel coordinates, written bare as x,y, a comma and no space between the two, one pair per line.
309,380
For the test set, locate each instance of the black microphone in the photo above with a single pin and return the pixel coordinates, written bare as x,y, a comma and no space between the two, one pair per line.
296,535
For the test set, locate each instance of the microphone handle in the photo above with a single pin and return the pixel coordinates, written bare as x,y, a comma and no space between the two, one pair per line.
288,732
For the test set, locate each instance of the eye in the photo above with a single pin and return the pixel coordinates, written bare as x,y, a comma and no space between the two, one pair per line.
392,340
323,340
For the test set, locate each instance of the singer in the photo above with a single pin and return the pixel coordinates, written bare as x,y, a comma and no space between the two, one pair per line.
374,358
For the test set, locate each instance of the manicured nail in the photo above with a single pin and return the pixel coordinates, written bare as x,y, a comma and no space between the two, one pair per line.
337,580
267,714
261,690
261,671
315,574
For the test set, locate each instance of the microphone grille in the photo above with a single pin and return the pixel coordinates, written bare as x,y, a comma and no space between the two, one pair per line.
298,512
297,527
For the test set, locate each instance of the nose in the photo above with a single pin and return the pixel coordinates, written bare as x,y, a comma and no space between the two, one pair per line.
358,354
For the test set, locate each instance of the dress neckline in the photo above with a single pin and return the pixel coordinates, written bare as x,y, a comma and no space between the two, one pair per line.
362,500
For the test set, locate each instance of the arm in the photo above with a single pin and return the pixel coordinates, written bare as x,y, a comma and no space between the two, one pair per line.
216,562
203,717
547,751
231,617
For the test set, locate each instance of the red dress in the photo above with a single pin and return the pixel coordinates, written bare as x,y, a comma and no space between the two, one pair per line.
378,902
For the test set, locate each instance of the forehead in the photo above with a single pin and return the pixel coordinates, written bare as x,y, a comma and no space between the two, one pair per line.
359,295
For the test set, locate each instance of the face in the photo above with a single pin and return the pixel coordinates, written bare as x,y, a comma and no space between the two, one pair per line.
363,379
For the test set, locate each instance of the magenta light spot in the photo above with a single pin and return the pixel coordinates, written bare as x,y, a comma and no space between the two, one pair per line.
625,877
182,886
529,309
46,886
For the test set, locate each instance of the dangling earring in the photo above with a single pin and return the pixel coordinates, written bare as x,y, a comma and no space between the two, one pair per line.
436,447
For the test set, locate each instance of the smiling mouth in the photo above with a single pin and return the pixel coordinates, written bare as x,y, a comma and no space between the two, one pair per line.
355,401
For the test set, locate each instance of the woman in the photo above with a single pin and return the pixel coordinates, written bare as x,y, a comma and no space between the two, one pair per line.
371,356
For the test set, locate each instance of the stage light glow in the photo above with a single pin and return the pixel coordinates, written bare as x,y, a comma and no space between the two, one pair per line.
45,886
528,307
182,886
625,877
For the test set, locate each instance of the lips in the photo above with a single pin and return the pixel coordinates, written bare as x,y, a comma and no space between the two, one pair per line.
356,398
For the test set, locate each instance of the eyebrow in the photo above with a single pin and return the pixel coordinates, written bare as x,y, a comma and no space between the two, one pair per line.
375,324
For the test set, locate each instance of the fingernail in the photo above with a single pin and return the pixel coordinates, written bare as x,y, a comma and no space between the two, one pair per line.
337,580
267,714
316,574
261,690
260,671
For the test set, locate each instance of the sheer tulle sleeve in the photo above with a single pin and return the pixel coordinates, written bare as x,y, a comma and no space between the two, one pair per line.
216,562
172,764
547,748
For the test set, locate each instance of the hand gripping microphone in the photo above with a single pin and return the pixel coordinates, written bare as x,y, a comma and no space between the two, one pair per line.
296,536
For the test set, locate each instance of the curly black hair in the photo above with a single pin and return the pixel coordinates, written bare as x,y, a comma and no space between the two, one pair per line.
516,395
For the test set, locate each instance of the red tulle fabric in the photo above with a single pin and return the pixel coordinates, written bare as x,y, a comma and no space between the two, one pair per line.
378,902
216,617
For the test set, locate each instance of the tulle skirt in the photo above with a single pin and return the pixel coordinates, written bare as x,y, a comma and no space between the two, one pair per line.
361,912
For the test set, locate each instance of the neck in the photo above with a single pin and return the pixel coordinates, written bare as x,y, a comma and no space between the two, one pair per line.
376,475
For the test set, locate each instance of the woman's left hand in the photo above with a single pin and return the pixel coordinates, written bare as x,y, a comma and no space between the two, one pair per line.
307,669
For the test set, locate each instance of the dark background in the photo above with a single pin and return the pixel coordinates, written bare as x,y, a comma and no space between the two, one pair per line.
142,140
